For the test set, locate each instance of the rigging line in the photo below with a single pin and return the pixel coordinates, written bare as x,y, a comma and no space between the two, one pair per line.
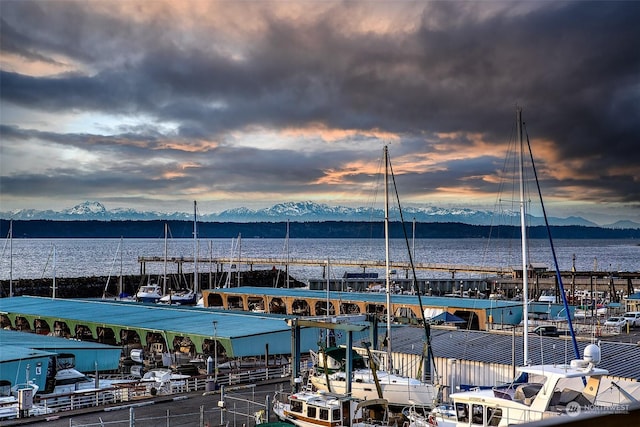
427,327
553,251
115,257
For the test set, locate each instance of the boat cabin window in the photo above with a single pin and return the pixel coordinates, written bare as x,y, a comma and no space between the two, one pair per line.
494,415
477,412
296,406
311,411
462,412
335,415
324,414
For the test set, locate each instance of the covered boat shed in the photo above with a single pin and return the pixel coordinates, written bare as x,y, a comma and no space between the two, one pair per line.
19,364
87,354
236,334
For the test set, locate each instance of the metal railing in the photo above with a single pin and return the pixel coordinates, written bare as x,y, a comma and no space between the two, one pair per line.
128,393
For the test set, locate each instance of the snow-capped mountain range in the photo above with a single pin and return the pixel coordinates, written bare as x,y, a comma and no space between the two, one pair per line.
301,211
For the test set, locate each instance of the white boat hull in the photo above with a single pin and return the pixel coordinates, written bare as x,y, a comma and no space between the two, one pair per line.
397,390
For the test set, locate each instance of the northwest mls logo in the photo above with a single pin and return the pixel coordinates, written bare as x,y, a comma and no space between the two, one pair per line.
574,409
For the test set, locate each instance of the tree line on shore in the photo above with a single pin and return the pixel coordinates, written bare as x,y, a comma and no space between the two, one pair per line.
319,229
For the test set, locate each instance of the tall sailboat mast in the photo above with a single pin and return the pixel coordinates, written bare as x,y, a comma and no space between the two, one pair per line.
164,272
386,255
10,258
195,247
523,232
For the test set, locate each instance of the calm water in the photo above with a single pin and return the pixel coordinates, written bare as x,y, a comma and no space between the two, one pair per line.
33,258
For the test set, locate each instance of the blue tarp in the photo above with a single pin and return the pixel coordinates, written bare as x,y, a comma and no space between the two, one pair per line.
447,317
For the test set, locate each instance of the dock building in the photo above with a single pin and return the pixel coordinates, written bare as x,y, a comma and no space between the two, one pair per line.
479,314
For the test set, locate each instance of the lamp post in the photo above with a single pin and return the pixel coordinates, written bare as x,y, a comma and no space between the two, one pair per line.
215,351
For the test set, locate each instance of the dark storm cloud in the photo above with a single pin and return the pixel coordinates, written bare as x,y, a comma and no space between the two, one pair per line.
574,66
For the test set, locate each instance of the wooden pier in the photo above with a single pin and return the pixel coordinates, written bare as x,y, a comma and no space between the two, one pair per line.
361,264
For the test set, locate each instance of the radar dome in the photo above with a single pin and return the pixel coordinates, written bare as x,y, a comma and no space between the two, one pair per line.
592,354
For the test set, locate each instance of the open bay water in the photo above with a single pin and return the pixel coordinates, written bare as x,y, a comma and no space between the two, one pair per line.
34,258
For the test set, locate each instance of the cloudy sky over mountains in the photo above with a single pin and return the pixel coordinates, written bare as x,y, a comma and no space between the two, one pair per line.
153,104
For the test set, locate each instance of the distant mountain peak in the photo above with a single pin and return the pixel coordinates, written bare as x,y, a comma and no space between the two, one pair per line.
300,211
88,207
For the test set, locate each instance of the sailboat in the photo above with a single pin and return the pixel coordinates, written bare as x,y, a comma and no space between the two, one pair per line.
551,390
182,296
368,383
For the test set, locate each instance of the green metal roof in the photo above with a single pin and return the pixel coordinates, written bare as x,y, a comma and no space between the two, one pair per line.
242,334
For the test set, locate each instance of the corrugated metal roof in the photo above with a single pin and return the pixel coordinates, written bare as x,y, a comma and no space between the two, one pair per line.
620,359
374,297
247,333
158,317
86,353
14,352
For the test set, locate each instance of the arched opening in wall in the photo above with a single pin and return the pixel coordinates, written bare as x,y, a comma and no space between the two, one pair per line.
349,308
235,302
130,340
472,321
277,306
184,345
128,336
61,329
321,309
83,333
214,300
22,324
379,310
106,336
5,322
300,307
209,350
256,304
42,327
156,346
405,315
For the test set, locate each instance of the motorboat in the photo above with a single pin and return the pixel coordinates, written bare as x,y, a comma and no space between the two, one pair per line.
10,402
551,391
320,409
150,293
180,297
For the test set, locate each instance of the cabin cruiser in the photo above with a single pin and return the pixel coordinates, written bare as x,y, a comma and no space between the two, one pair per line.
149,293
551,391
319,409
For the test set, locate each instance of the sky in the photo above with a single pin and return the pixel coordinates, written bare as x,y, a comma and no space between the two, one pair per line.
152,104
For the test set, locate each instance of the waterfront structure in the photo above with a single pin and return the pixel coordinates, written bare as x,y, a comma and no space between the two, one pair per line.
479,314
165,329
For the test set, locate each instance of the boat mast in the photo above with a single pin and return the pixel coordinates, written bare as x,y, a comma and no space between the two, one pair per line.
386,250
10,258
195,247
286,242
164,275
120,279
53,294
523,237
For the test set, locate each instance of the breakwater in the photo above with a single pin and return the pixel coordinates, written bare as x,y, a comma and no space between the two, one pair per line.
97,287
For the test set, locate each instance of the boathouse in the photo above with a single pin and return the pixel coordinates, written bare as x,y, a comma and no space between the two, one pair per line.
478,314
156,327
